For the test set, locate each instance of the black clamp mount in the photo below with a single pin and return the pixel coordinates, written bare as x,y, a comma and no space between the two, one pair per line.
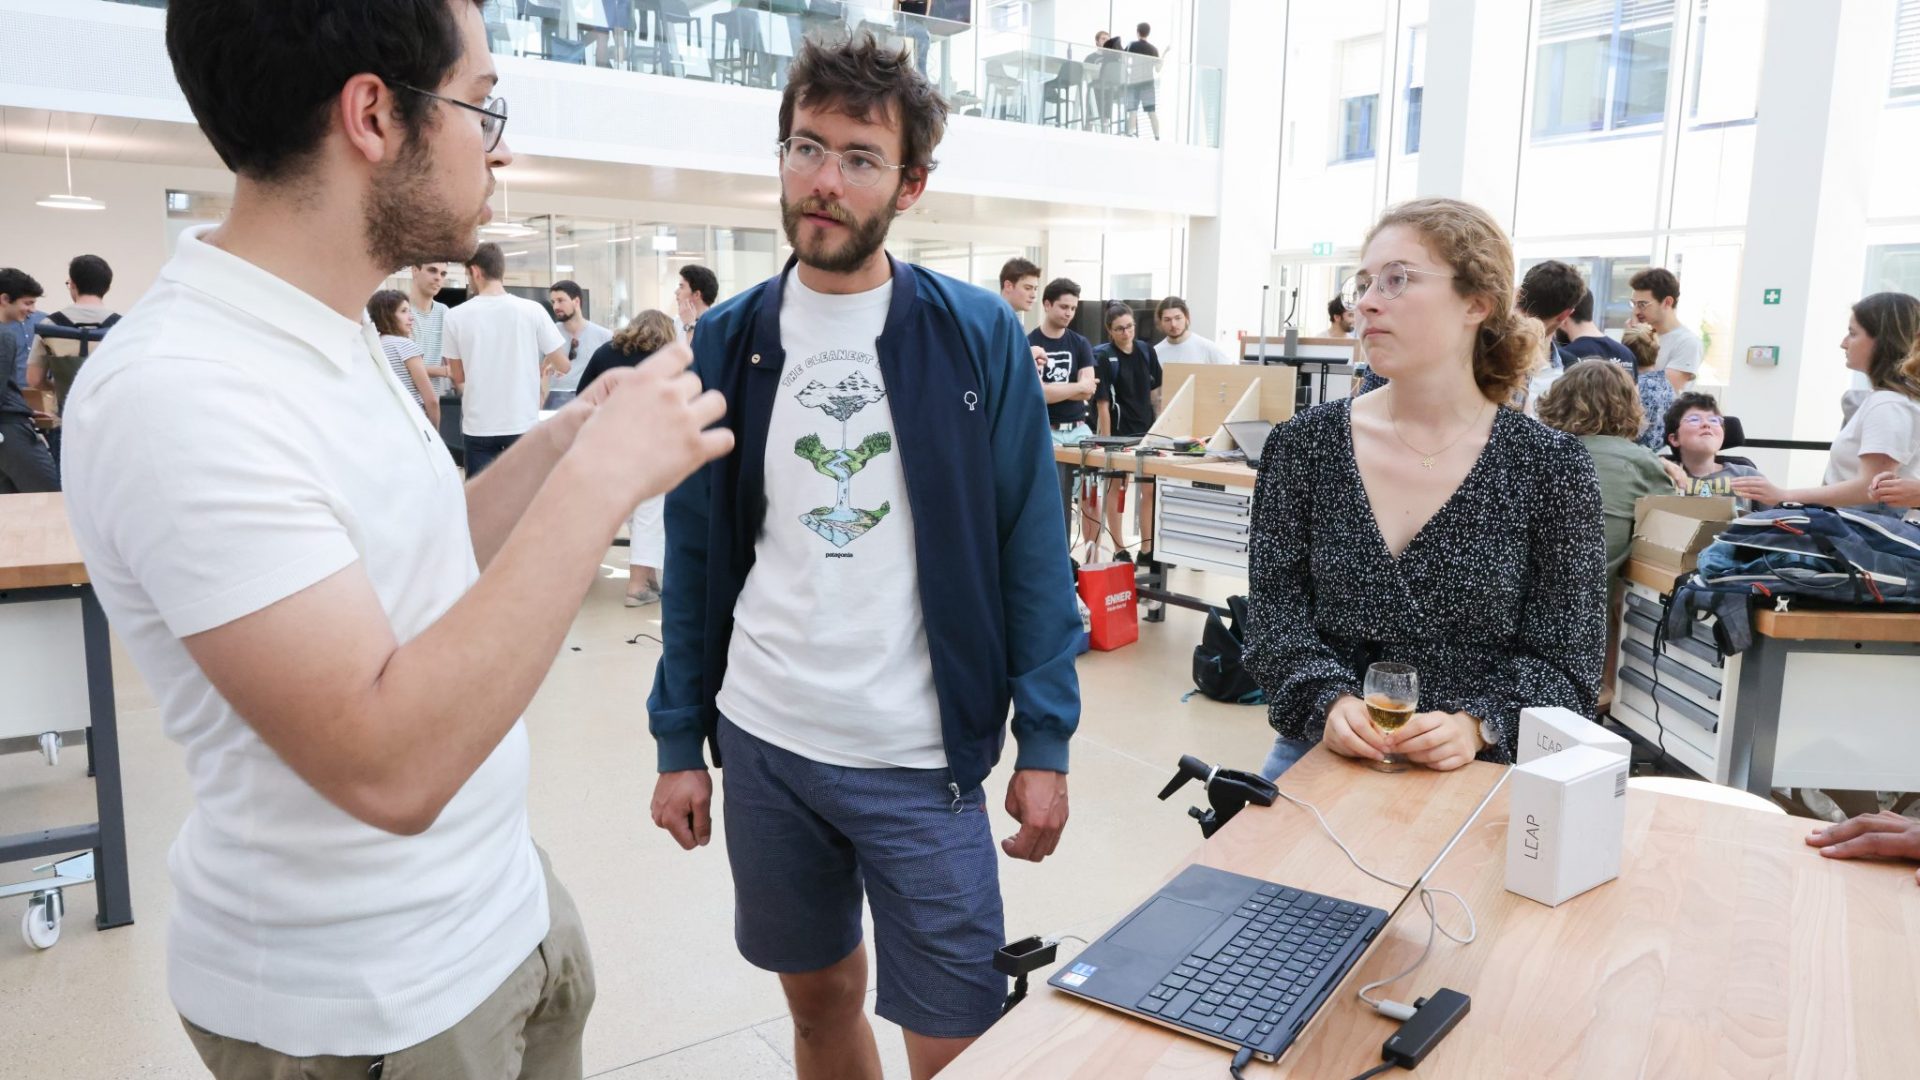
1228,791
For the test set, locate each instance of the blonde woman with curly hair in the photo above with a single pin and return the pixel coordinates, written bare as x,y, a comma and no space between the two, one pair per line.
1426,521
646,537
1656,390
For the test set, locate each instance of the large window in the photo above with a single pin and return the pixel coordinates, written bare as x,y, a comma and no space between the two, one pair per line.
1906,51
1359,101
1416,84
1893,268
1602,65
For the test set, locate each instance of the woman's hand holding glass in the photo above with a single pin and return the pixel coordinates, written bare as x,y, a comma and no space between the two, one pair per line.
1350,731
1441,741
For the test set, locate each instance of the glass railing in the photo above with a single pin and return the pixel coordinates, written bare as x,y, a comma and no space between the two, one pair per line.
1004,76
1001,75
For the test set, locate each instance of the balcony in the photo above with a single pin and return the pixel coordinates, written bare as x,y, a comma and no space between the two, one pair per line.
998,75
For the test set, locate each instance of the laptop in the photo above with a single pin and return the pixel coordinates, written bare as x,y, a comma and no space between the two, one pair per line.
1251,437
1231,959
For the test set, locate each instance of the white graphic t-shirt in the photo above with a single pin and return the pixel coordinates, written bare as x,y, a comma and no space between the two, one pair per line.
829,652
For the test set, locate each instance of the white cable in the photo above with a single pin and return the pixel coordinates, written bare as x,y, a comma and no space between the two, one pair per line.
1396,1010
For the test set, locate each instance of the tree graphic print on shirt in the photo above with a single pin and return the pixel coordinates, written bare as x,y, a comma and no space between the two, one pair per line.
842,523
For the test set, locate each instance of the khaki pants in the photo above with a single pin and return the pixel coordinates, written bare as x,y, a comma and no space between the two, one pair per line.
529,1028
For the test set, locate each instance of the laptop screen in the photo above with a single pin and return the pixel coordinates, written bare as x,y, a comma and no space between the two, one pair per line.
1251,435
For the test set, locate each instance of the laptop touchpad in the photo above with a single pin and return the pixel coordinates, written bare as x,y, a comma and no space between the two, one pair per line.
1166,929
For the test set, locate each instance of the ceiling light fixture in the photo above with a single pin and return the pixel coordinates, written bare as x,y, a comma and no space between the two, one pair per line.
506,228
70,201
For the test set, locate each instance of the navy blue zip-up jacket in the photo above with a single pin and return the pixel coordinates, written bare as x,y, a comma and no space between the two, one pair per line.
996,588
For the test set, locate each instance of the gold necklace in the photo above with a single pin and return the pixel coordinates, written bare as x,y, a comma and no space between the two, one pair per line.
1426,459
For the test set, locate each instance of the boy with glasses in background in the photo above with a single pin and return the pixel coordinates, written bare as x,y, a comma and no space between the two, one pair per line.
1696,431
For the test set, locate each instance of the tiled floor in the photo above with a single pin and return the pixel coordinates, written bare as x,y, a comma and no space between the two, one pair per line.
675,1000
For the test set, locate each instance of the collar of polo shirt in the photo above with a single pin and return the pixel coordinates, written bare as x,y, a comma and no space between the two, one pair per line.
232,280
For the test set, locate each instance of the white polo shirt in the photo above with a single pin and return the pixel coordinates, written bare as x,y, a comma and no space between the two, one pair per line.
233,442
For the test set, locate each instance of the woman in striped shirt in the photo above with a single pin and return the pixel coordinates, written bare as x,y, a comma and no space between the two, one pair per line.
393,318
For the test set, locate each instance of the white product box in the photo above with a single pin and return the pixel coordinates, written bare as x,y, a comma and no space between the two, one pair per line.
1549,731
1568,817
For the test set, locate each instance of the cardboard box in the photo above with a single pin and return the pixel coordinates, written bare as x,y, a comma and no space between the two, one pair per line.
1568,819
1670,531
1549,731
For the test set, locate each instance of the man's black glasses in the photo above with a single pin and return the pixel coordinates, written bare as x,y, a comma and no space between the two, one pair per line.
493,113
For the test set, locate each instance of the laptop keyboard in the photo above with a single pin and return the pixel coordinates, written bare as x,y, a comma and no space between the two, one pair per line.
1255,967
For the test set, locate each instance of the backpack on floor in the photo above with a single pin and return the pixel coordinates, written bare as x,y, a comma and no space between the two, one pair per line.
1217,670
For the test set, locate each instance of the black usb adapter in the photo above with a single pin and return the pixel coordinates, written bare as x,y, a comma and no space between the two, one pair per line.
1432,1018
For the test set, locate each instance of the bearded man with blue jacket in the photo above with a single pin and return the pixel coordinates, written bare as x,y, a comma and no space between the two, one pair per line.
860,593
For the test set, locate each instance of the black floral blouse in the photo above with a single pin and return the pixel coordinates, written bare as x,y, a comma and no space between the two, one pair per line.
1499,601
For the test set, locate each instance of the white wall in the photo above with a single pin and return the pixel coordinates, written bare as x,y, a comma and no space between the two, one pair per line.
131,233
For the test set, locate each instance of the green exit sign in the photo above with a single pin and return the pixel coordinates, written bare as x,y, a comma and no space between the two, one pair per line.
1325,248
1770,296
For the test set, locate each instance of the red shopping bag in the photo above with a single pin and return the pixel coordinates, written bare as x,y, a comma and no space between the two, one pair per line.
1112,608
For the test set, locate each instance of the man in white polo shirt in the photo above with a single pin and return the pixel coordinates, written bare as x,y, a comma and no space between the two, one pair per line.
501,349
356,890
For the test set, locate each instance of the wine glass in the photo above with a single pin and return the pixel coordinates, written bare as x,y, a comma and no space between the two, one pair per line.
1392,694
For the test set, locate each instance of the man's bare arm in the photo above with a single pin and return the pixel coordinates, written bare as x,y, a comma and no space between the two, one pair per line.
389,732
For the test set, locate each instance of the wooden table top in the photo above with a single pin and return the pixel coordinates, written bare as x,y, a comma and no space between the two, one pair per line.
1180,467
36,545
1398,823
1727,947
1894,626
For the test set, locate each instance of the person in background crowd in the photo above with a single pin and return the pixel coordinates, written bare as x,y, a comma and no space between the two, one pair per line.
1548,293
1656,392
19,300
1019,285
697,290
1694,430
1109,93
1339,320
501,348
583,339
1141,72
430,321
1375,515
392,317
1068,382
1883,435
56,362
1128,402
1599,405
913,27
1179,344
1656,295
1585,340
26,461
649,332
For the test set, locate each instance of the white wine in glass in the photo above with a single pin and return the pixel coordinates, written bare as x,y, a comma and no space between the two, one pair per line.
1392,695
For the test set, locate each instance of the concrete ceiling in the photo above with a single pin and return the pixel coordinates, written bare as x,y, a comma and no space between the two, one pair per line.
108,138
